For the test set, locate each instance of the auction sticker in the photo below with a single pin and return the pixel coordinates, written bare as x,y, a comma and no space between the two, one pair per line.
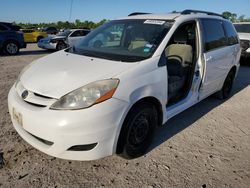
155,22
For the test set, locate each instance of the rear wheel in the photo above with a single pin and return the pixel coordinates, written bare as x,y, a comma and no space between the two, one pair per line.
61,45
11,48
228,85
138,130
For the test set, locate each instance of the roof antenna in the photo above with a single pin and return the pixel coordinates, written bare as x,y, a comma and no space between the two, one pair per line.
70,11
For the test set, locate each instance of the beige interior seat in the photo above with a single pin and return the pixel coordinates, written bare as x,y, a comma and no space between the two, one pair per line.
137,44
179,58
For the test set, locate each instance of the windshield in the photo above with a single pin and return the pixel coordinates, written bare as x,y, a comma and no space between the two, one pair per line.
65,33
124,40
242,28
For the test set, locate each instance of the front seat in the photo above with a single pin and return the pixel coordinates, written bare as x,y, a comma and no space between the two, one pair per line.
179,58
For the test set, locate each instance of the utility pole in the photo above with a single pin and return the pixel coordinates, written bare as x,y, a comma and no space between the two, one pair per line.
70,11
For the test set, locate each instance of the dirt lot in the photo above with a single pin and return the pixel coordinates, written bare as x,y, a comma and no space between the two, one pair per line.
208,145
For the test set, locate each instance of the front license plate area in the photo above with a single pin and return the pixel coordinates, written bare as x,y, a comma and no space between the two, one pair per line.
17,117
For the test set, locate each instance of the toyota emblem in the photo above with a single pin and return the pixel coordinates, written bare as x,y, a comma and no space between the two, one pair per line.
25,94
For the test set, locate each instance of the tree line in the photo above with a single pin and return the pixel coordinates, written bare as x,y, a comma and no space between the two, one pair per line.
234,17
92,25
62,25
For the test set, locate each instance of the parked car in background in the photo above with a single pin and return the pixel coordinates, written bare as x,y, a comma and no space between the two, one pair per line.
32,35
63,40
11,38
50,30
109,93
243,30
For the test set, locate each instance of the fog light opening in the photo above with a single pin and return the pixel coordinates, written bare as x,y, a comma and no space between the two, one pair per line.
82,147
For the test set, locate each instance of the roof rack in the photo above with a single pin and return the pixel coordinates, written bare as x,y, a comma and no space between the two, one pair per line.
188,11
138,13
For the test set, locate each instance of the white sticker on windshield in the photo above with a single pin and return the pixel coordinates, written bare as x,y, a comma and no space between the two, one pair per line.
149,45
156,22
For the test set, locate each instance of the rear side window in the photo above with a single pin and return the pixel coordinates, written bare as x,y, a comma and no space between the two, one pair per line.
214,35
76,34
85,32
231,33
79,33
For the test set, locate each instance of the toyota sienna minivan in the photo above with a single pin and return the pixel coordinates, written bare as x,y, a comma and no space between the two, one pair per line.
107,94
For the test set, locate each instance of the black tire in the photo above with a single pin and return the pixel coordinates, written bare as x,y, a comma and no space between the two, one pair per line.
138,130
39,38
61,45
11,48
227,86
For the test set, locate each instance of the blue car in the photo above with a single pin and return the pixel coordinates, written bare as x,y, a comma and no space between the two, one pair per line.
11,38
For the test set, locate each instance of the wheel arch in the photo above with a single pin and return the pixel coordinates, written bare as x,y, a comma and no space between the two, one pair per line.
149,99
11,40
234,70
39,37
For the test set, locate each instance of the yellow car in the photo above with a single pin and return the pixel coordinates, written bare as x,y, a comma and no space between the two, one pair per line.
31,35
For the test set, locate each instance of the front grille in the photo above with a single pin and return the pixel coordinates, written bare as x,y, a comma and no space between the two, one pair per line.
37,105
42,96
244,44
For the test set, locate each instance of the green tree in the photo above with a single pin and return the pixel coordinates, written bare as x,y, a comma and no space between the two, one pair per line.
230,16
241,18
78,23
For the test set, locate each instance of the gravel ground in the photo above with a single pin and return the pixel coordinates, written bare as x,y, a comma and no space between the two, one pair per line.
207,145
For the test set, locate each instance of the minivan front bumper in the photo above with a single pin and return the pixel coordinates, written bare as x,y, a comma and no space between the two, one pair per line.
57,132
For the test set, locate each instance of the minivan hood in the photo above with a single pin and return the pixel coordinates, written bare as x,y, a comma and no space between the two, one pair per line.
244,36
60,73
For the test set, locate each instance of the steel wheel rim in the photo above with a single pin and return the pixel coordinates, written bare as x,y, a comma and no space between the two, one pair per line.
140,129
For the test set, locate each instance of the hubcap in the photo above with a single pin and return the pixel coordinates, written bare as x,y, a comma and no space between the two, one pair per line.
140,129
11,48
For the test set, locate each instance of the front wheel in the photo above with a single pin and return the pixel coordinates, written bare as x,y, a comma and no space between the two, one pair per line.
138,130
61,45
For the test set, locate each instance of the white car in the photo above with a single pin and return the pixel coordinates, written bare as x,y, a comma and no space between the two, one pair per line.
108,94
61,41
243,30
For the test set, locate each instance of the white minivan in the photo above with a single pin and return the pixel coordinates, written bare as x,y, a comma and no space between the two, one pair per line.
107,94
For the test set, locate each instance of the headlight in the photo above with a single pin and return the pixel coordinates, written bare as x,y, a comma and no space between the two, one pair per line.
87,96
